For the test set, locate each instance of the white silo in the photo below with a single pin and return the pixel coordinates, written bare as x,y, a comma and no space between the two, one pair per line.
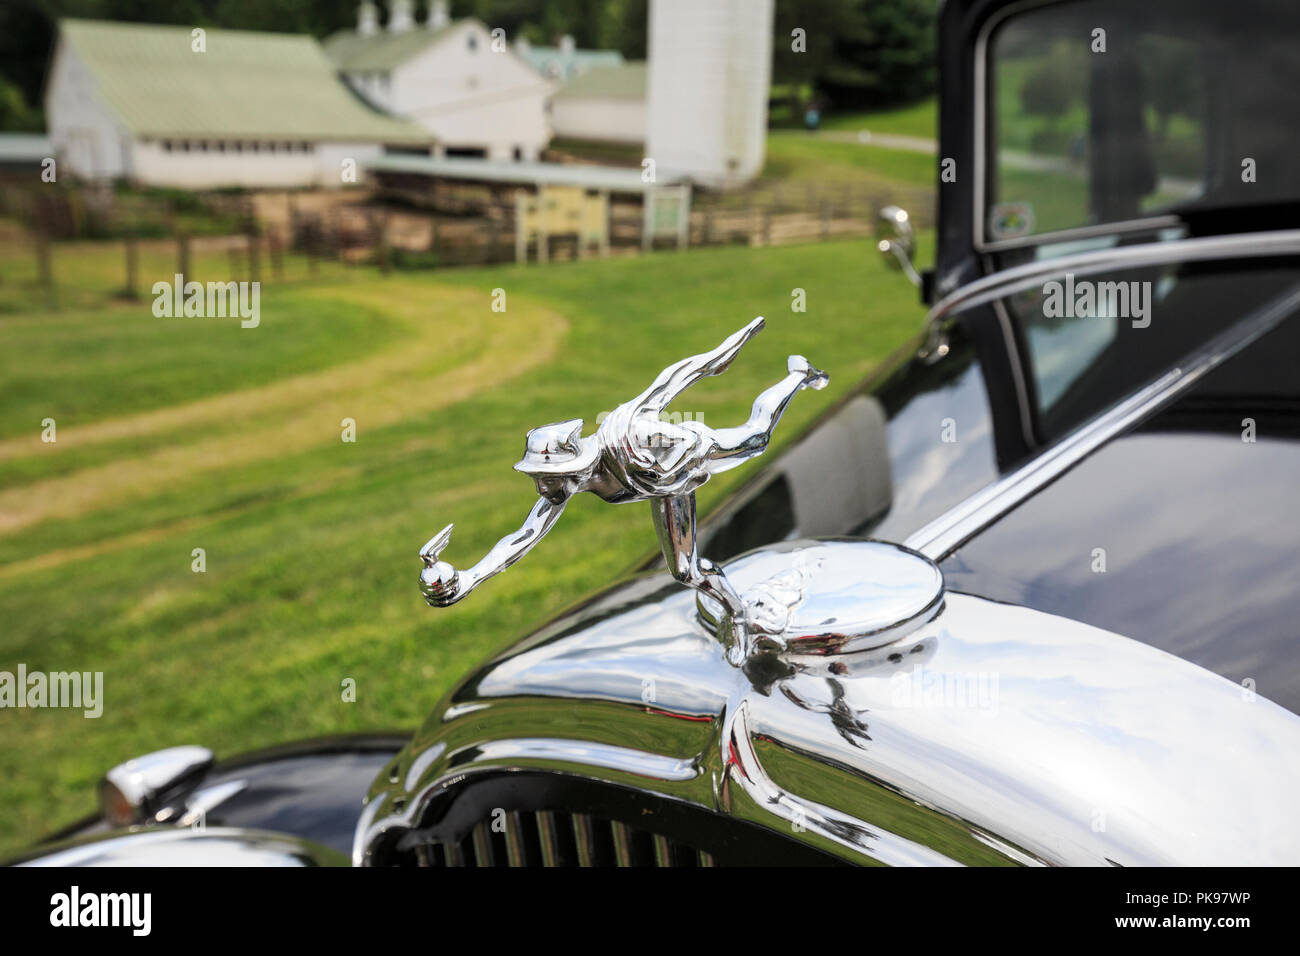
710,71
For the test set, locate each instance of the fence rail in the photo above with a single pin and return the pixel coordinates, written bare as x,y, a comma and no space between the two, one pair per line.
287,234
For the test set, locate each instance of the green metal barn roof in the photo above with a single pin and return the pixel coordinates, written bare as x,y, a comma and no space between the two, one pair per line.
250,85
382,50
627,81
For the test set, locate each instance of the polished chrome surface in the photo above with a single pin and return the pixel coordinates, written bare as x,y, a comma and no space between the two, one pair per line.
168,846
634,455
1007,282
128,790
205,799
833,597
896,241
943,535
990,734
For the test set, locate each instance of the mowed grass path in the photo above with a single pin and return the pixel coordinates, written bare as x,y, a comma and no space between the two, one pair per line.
176,434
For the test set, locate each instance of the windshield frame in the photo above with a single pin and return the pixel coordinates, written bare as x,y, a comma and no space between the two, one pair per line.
984,167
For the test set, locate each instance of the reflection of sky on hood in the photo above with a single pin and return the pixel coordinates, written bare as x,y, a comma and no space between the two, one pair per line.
930,475
612,660
1200,539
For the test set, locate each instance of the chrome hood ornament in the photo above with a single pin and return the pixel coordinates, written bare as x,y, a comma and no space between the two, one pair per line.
634,455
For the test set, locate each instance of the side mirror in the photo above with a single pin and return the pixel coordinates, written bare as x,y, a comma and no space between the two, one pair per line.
896,241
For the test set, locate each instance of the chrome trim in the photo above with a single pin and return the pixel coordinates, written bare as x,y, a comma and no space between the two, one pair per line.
141,780
582,838
1008,282
548,837
1122,228
831,597
744,772
172,846
1185,767
622,843
202,801
1017,373
945,534
634,455
896,241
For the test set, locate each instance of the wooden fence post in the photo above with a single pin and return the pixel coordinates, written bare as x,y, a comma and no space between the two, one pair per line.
493,228
385,264
183,254
254,258
132,268
277,256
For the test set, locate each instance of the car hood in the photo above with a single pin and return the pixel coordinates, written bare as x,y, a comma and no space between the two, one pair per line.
991,734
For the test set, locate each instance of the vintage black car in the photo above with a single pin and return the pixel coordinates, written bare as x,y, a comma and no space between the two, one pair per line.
1034,580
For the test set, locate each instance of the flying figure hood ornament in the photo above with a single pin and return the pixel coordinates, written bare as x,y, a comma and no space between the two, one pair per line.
634,455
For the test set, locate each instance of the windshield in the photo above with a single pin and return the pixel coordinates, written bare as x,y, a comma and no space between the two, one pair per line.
1105,113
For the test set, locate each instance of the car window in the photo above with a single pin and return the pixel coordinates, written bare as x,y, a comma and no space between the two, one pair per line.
1107,113
1091,340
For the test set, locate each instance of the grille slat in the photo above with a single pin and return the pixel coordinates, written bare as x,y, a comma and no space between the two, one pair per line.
549,838
663,850
556,838
584,838
515,840
622,843
454,855
483,852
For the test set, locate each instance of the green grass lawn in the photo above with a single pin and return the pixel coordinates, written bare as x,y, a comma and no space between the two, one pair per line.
176,434
801,157
919,119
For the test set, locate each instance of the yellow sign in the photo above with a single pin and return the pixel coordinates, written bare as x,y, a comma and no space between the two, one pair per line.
561,211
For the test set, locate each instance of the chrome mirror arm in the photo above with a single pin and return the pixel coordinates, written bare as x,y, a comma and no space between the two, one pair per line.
897,241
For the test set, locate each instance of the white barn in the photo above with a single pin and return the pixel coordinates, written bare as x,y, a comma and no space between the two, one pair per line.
604,103
469,89
710,74
159,106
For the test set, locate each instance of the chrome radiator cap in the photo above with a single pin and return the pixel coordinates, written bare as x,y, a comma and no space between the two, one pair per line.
831,597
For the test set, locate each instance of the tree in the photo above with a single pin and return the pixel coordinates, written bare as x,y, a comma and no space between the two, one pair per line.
884,56
798,66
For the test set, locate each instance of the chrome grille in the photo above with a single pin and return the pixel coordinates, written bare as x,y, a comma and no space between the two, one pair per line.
552,838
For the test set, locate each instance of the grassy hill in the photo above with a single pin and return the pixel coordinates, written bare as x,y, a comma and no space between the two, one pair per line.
177,434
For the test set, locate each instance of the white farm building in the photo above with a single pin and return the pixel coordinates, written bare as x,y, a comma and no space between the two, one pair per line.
604,103
470,89
161,105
